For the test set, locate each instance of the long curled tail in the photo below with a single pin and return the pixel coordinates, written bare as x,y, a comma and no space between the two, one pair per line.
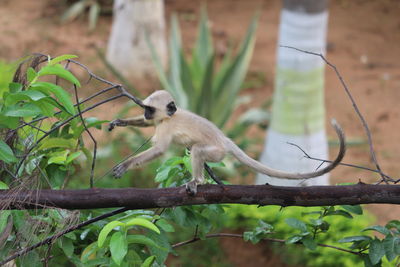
259,167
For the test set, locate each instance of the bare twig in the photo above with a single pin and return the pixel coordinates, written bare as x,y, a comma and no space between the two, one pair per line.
62,124
353,102
306,155
91,137
59,112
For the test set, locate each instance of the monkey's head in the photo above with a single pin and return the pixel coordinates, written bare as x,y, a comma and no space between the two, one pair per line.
158,106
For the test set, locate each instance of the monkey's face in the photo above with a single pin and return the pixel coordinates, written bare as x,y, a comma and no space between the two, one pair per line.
159,106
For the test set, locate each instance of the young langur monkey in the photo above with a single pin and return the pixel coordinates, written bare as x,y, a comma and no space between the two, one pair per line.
206,142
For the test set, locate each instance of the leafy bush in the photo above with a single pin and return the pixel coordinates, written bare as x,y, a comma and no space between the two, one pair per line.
287,222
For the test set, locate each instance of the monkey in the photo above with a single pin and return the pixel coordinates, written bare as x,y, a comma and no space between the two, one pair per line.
207,143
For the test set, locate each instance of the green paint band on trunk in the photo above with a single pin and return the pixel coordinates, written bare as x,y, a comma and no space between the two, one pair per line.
298,103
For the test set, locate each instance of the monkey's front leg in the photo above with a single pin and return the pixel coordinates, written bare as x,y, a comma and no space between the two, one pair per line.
138,121
138,160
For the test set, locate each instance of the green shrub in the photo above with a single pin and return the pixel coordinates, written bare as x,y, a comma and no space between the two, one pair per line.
244,216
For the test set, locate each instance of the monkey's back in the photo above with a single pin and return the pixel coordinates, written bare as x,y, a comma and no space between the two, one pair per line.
200,131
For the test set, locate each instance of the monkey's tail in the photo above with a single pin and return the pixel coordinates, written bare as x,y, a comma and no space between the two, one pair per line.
259,167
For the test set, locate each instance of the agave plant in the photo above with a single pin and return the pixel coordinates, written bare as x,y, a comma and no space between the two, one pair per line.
196,83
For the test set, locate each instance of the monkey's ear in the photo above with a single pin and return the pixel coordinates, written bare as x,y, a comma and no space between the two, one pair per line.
171,108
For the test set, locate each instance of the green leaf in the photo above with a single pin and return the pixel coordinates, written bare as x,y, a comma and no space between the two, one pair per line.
149,261
58,157
22,110
4,219
356,209
164,225
66,245
161,252
15,87
31,75
59,71
33,94
89,251
295,223
355,239
141,239
9,122
293,239
62,95
47,106
309,243
144,223
339,212
367,261
118,247
106,230
395,224
89,122
378,228
57,142
61,58
376,251
6,153
2,184
390,243
73,156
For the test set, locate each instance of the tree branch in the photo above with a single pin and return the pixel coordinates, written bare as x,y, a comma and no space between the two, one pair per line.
137,198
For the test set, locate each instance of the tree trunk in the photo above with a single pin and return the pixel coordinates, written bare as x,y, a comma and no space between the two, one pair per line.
298,111
127,48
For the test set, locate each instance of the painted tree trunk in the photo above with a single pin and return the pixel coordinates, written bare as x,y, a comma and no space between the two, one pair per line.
127,48
298,111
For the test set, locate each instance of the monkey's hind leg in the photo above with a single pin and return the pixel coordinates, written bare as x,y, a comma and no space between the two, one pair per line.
200,154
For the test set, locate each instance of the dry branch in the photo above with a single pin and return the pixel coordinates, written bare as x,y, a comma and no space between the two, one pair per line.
136,198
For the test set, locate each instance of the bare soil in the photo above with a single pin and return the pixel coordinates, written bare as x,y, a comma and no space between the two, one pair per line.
363,37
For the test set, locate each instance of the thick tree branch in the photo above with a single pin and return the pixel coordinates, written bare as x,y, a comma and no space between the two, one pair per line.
136,198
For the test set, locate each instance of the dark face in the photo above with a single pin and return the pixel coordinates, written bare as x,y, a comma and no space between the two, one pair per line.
149,112
171,108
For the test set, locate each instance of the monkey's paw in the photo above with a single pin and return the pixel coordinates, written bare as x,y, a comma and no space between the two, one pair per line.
119,170
114,123
191,188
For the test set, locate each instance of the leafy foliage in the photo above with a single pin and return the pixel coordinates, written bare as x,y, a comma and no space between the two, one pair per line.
325,225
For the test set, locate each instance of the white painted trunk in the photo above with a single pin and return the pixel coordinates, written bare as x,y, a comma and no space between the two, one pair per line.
127,49
298,112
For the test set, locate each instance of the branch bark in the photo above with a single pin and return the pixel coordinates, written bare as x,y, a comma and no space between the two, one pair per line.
137,198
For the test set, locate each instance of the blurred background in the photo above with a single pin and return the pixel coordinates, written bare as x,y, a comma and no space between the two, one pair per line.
362,40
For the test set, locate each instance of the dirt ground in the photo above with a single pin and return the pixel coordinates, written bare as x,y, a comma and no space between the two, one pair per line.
363,38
